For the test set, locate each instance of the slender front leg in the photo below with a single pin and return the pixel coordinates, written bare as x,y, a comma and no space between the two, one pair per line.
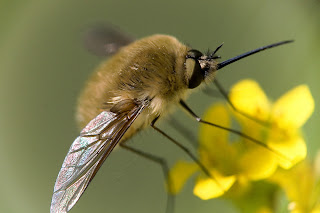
185,106
226,96
186,150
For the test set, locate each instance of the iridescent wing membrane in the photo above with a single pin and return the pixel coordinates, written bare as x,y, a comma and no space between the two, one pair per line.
86,155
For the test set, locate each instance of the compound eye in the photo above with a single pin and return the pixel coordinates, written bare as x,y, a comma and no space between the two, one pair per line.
195,54
193,68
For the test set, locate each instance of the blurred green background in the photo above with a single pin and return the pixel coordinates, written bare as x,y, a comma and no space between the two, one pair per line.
44,66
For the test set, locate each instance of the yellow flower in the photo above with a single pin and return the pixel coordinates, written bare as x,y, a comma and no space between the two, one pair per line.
301,185
234,160
285,118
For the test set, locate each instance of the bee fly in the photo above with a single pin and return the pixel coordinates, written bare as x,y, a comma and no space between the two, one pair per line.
140,83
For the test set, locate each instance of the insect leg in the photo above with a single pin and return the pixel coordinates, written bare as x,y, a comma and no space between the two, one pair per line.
185,106
224,93
186,150
183,130
165,169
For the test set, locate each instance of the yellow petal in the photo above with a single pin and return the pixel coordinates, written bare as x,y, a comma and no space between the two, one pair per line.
215,150
294,108
207,188
316,209
258,163
179,174
249,98
209,136
264,210
294,149
300,185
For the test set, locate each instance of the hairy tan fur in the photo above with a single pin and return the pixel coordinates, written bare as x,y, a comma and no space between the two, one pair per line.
150,68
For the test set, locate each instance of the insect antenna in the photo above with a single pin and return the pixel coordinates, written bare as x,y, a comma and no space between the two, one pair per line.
234,59
212,55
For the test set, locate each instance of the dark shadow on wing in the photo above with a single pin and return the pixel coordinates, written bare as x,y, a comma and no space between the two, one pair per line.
105,40
86,155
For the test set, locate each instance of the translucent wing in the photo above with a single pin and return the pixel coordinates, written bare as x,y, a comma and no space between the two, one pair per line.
105,40
87,153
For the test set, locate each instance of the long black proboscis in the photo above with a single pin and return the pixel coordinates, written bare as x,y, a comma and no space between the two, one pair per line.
234,59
